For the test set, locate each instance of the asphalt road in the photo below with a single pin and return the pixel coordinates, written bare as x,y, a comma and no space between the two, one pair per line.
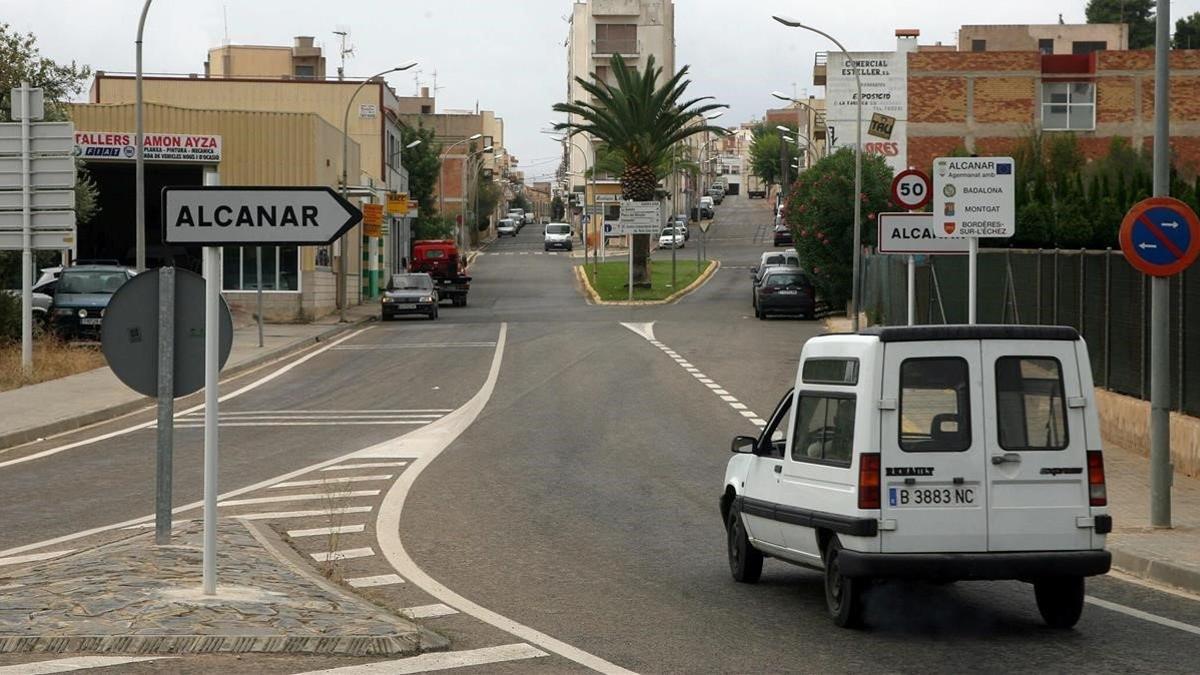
582,502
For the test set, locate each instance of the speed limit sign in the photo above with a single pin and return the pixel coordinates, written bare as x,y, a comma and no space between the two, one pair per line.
910,189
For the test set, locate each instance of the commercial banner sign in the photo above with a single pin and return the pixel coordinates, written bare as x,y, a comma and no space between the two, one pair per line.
115,145
884,77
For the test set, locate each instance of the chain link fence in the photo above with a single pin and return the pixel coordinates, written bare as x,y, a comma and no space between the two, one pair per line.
1096,292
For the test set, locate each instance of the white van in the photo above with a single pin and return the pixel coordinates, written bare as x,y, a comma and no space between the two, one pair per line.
557,236
929,452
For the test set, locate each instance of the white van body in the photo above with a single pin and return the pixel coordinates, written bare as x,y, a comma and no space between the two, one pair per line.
933,452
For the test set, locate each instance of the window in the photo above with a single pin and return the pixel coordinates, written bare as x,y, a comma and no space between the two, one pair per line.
616,38
602,73
1030,408
1068,105
305,72
777,429
280,268
1087,47
824,429
1046,45
935,405
831,371
979,45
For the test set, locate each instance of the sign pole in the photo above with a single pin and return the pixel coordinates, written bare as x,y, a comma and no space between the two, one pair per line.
212,302
1160,353
972,278
26,231
630,243
912,290
258,293
166,404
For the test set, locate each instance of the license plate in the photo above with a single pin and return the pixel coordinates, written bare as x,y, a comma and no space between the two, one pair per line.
931,496
90,322
787,292
409,305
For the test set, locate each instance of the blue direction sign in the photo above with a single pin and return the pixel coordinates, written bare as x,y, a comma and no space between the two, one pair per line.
1160,236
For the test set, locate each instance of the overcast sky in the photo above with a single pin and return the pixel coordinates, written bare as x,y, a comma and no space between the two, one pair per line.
509,56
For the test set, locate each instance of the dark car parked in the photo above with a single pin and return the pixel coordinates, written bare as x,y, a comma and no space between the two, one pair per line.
81,296
783,235
785,290
409,294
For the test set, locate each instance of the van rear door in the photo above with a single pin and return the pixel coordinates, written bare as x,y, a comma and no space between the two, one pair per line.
932,451
1037,459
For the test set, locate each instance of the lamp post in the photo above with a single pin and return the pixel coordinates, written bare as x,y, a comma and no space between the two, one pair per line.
813,111
472,179
854,298
442,183
139,169
343,289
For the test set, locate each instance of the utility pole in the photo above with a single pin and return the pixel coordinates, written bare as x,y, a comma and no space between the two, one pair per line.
1160,289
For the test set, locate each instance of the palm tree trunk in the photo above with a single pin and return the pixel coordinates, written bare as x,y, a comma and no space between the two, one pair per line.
641,261
638,184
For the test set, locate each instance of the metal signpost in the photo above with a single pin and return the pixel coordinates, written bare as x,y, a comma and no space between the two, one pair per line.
639,218
912,190
974,197
37,198
215,216
912,234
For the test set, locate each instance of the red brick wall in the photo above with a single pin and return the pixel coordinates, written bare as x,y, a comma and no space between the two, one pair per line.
922,150
1114,99
1000,146
1181,59
1185,98
1004,99
972,61
937,99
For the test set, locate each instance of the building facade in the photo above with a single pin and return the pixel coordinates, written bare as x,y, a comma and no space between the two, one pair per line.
1053,38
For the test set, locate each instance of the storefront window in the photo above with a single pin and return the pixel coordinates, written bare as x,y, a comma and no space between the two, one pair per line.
280,268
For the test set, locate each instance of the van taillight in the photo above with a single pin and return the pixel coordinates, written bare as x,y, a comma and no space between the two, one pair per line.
868,480
1097,493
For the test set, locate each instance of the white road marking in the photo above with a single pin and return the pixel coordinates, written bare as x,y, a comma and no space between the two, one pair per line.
738,406
427,443
365,465
690,369
318,531
426,345
721,392
144,526
334,412
300,423
345,554
314,496
428,611
271,515
149,425
758,422
728,398
1145,616
377,580
331,481
426,663
420,417
74,663
34,557
748,413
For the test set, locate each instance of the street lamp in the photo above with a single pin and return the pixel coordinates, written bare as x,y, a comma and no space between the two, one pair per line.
442,183
413,144
473,179
783,97
582,228
139,169
342,267
854,298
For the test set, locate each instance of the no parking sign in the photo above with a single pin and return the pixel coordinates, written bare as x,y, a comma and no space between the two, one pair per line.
1160,236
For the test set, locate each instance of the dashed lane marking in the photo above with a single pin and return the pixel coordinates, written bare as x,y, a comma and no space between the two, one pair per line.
426,663
426,345
34,557
331,481
75,663
377,580
273,515
317,496
318,531
344,554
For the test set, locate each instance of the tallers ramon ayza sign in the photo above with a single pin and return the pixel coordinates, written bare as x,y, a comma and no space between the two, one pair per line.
119,146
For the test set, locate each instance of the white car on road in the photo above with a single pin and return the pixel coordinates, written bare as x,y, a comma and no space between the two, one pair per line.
940,453
671,237
558,235
507,226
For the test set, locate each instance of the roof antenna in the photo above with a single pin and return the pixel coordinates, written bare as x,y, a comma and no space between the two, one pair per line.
342,32
225,13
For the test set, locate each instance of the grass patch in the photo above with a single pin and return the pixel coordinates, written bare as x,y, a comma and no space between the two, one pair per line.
612,277
52,358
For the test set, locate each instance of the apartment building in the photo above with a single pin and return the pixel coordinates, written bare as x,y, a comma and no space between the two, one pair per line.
1052,38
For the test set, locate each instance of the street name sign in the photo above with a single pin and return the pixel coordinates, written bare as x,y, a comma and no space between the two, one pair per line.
39,220
913,234
641,217
45,138
39,199
974,197
39,240
237,216
911,189
1160,236
46,172
613,228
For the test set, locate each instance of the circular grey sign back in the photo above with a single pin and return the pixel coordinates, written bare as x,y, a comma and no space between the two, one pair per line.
129,333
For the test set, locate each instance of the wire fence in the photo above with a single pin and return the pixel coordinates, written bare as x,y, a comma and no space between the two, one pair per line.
1096,292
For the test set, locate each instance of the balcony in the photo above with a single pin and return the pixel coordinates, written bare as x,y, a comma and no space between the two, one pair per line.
818,130
820,61
604,49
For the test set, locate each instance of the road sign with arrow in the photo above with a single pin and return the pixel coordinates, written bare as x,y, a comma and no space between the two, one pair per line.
239,216
1160,236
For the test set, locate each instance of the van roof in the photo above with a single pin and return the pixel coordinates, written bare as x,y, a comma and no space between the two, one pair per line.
966,332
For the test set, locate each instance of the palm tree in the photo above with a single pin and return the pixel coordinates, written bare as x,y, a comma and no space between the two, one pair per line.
639,122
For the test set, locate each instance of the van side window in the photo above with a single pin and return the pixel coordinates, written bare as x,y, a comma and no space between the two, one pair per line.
935,405
1029,403
776,431
824,429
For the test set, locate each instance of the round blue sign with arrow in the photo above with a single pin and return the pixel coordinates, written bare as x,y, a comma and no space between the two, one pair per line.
1160,236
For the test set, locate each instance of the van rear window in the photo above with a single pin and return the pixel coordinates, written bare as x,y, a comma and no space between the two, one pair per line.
935,405
1029,403
830,371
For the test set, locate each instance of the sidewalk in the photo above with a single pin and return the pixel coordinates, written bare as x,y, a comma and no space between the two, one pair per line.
39,410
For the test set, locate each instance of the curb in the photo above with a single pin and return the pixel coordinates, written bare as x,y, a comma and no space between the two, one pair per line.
1155,569
14,439
594,298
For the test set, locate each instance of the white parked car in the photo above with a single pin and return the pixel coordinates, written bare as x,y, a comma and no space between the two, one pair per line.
507,226
518,216
932,452
671,237
558,235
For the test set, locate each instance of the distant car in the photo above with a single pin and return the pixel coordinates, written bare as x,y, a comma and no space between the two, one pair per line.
671,237
82,295
507,226
783,235
409,294
707,207
785,290
518,216
558,235
41,303
787,258
717,193
528,219
681,222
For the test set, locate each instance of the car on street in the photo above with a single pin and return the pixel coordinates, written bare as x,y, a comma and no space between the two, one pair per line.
527,219
707,207
412,293
518,216
558,236
41,303
81,296
507,227
681,222
786,258
717,193
785,290
783,235
934,453
671,237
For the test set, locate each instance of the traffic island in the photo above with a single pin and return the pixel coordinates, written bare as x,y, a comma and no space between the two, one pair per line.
134,597
607,283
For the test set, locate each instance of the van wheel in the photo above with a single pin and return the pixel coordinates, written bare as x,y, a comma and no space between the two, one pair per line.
843,595
1060,600
745,561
